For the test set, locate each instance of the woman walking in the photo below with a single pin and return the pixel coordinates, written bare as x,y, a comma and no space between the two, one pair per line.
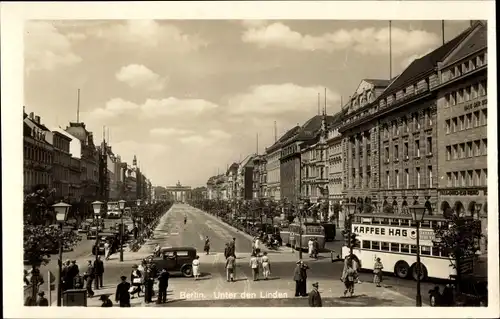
196,267
266,266
348,277
136,280
377,272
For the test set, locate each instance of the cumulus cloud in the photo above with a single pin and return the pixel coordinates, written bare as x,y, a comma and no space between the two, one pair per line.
253,23
114,107
151,34
365,41
275,99
161,131
139,76
174,106
219,134
46,48
210,137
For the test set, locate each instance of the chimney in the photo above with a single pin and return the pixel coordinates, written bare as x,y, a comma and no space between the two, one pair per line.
32,116
37,119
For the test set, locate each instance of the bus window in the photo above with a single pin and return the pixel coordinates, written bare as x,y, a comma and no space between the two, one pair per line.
384,246
413,223
405,248
435,251
395,222
425,224
366,244
395,247
425,250
384,221
413,249
376,245
357,219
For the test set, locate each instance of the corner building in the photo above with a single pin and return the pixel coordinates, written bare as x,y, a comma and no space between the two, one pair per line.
462,111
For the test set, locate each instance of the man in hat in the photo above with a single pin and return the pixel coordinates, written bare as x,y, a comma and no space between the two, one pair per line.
162,286
42,301
105,301
298,278
99,271
315,297
122,296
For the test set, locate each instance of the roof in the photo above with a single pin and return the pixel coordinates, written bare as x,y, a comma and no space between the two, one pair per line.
65,136
311,127
40,126
378,82
474,43
424,64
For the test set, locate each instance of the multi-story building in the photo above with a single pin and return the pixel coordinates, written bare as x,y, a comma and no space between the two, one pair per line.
245,178
259,177
38,153
89,160
75,170
290,160
231,181
334,169
61,165
462,111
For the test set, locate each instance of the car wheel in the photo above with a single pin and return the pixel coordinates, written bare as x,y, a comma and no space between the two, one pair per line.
402,269
187,271
423,272
432,301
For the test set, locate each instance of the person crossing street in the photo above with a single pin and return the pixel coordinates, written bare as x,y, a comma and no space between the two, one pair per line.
99,272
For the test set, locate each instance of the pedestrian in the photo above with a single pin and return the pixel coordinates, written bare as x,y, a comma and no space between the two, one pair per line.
266,266
348,277
42,301
377,272
298,277
230,267
232,246
196,267
73,271
315,296
148,284
436,295
105,301
137,280
315,248
67,282
99,272
303,269
254,264
122,296
310,246
257,246
227,251
89,277
162,286
206,248
107,250
156,251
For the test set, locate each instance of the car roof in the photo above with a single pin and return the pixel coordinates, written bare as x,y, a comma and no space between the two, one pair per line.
167,249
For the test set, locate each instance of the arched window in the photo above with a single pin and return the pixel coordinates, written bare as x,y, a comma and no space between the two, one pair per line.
395,206
458,207
471,211
385,203
404,208
370,96
445,206
428,207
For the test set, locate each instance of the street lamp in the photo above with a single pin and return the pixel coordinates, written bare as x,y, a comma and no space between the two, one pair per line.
301,209
351,209
417,213
138,203
121,205
61,210
97,211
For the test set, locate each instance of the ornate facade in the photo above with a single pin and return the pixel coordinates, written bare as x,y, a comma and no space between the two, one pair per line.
179,193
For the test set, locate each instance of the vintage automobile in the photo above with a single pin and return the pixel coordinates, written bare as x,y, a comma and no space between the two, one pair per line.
175,259
84,227
92,232
105,236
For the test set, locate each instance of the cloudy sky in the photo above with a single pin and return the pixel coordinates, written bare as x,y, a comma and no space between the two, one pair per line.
189,97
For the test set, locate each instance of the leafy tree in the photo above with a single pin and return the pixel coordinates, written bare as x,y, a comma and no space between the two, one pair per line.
459,238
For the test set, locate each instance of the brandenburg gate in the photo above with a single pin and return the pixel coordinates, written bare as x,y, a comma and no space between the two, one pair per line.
178,193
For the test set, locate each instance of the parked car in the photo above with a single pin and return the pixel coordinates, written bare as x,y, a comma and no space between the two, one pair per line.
330,231
473,292
176,259
92,232
84,227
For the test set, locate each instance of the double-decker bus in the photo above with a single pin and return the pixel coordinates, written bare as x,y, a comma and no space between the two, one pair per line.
309,230
392,238
113,210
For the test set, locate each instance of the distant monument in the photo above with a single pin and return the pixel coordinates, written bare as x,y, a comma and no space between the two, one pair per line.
178,193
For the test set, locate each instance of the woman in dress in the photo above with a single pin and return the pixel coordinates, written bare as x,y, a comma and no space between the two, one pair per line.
196,267
136,281
310,246
377,272
266,266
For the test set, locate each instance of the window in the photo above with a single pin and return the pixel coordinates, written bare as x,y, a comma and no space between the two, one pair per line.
431,182
405,125
396,152
460,96
429,145
417,148
413,249
484,117
461,150
485,177
387,153
462,123
405,248
435,251
462,178
405,150
448,153
384,246
482,89
397,178
468,151
418,176
477,177
477,148
394,130
468,120
388,179
376,245
474,91
470,180
454,125
366,244
447,100
485,147
449,182
455,179
394,247
453,98
448,124
407,178
467,94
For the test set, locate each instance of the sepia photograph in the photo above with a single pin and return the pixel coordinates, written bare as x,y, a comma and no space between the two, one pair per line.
274,162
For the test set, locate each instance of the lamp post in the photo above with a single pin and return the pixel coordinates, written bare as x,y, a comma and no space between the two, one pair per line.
121,204
301,209
61,210
418,212
138,203
351,209
97,211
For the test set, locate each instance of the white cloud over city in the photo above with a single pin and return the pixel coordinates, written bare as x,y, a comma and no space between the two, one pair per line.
180,93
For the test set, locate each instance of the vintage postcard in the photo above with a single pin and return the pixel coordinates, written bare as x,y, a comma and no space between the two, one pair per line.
271,156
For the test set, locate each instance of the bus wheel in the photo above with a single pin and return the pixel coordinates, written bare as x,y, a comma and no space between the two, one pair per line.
423,272
402,269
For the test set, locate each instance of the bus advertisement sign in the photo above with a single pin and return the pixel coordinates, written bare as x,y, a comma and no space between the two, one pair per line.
393,232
